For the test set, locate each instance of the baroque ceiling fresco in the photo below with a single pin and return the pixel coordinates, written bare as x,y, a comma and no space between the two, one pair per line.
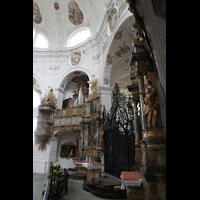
120,49
37,17
75,13
58,19
112,19
56,6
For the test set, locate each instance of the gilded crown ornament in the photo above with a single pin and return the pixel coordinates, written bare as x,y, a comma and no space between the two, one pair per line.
44,129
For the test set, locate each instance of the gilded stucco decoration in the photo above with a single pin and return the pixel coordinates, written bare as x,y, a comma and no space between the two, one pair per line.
84,119
44,130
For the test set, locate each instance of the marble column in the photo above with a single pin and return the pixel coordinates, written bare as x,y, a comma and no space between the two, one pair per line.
53,152
133,88
105,98
136,121
139,76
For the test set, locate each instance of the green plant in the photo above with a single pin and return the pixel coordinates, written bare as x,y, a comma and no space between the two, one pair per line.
56,182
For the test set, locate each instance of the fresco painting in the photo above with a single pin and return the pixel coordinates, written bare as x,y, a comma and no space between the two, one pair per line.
109,59
37,17
123,50
56,6
112,19
75,13
118,35
75,58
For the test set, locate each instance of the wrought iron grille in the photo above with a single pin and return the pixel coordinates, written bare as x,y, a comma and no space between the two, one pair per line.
119,144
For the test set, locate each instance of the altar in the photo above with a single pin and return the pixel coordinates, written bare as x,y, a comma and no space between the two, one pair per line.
92,170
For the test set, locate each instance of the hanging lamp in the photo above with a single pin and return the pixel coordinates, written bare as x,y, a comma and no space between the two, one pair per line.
45,121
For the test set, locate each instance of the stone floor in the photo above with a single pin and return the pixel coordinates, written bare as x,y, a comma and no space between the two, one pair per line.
75,190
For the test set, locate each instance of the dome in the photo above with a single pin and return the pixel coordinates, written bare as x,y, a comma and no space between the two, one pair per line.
56,23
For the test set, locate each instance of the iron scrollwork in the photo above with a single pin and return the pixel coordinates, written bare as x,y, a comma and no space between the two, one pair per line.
117,124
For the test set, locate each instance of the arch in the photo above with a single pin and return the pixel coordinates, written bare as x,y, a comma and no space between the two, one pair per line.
36,77
64,79
122,20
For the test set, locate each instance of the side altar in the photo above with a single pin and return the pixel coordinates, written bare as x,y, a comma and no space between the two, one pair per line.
84,119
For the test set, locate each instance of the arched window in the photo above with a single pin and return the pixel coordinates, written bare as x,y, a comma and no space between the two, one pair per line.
39,40
78,36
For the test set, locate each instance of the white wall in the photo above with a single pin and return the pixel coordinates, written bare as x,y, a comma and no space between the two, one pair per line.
69,90
105,99
40,159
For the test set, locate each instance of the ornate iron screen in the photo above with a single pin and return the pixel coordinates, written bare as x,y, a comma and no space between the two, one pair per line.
119,144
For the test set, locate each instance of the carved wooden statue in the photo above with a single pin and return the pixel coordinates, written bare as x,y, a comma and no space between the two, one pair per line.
151,102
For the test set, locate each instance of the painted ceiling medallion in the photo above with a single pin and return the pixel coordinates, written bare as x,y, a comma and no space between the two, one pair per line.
75,13
112,19
75,58
37,17
56,5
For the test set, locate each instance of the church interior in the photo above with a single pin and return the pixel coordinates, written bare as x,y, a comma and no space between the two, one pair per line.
99,99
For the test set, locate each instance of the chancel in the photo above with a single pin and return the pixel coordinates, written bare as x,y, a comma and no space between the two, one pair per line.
99,99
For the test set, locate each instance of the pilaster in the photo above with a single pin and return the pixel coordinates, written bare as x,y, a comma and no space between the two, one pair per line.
53,151
153,168
105,98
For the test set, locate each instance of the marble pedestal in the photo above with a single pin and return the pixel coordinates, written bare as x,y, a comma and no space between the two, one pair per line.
153,164
93,176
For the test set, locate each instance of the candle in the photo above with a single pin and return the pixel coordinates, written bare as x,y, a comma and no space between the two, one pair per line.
86,159
89,160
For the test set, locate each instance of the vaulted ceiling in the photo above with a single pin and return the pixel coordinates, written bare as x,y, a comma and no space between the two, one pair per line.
55,23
